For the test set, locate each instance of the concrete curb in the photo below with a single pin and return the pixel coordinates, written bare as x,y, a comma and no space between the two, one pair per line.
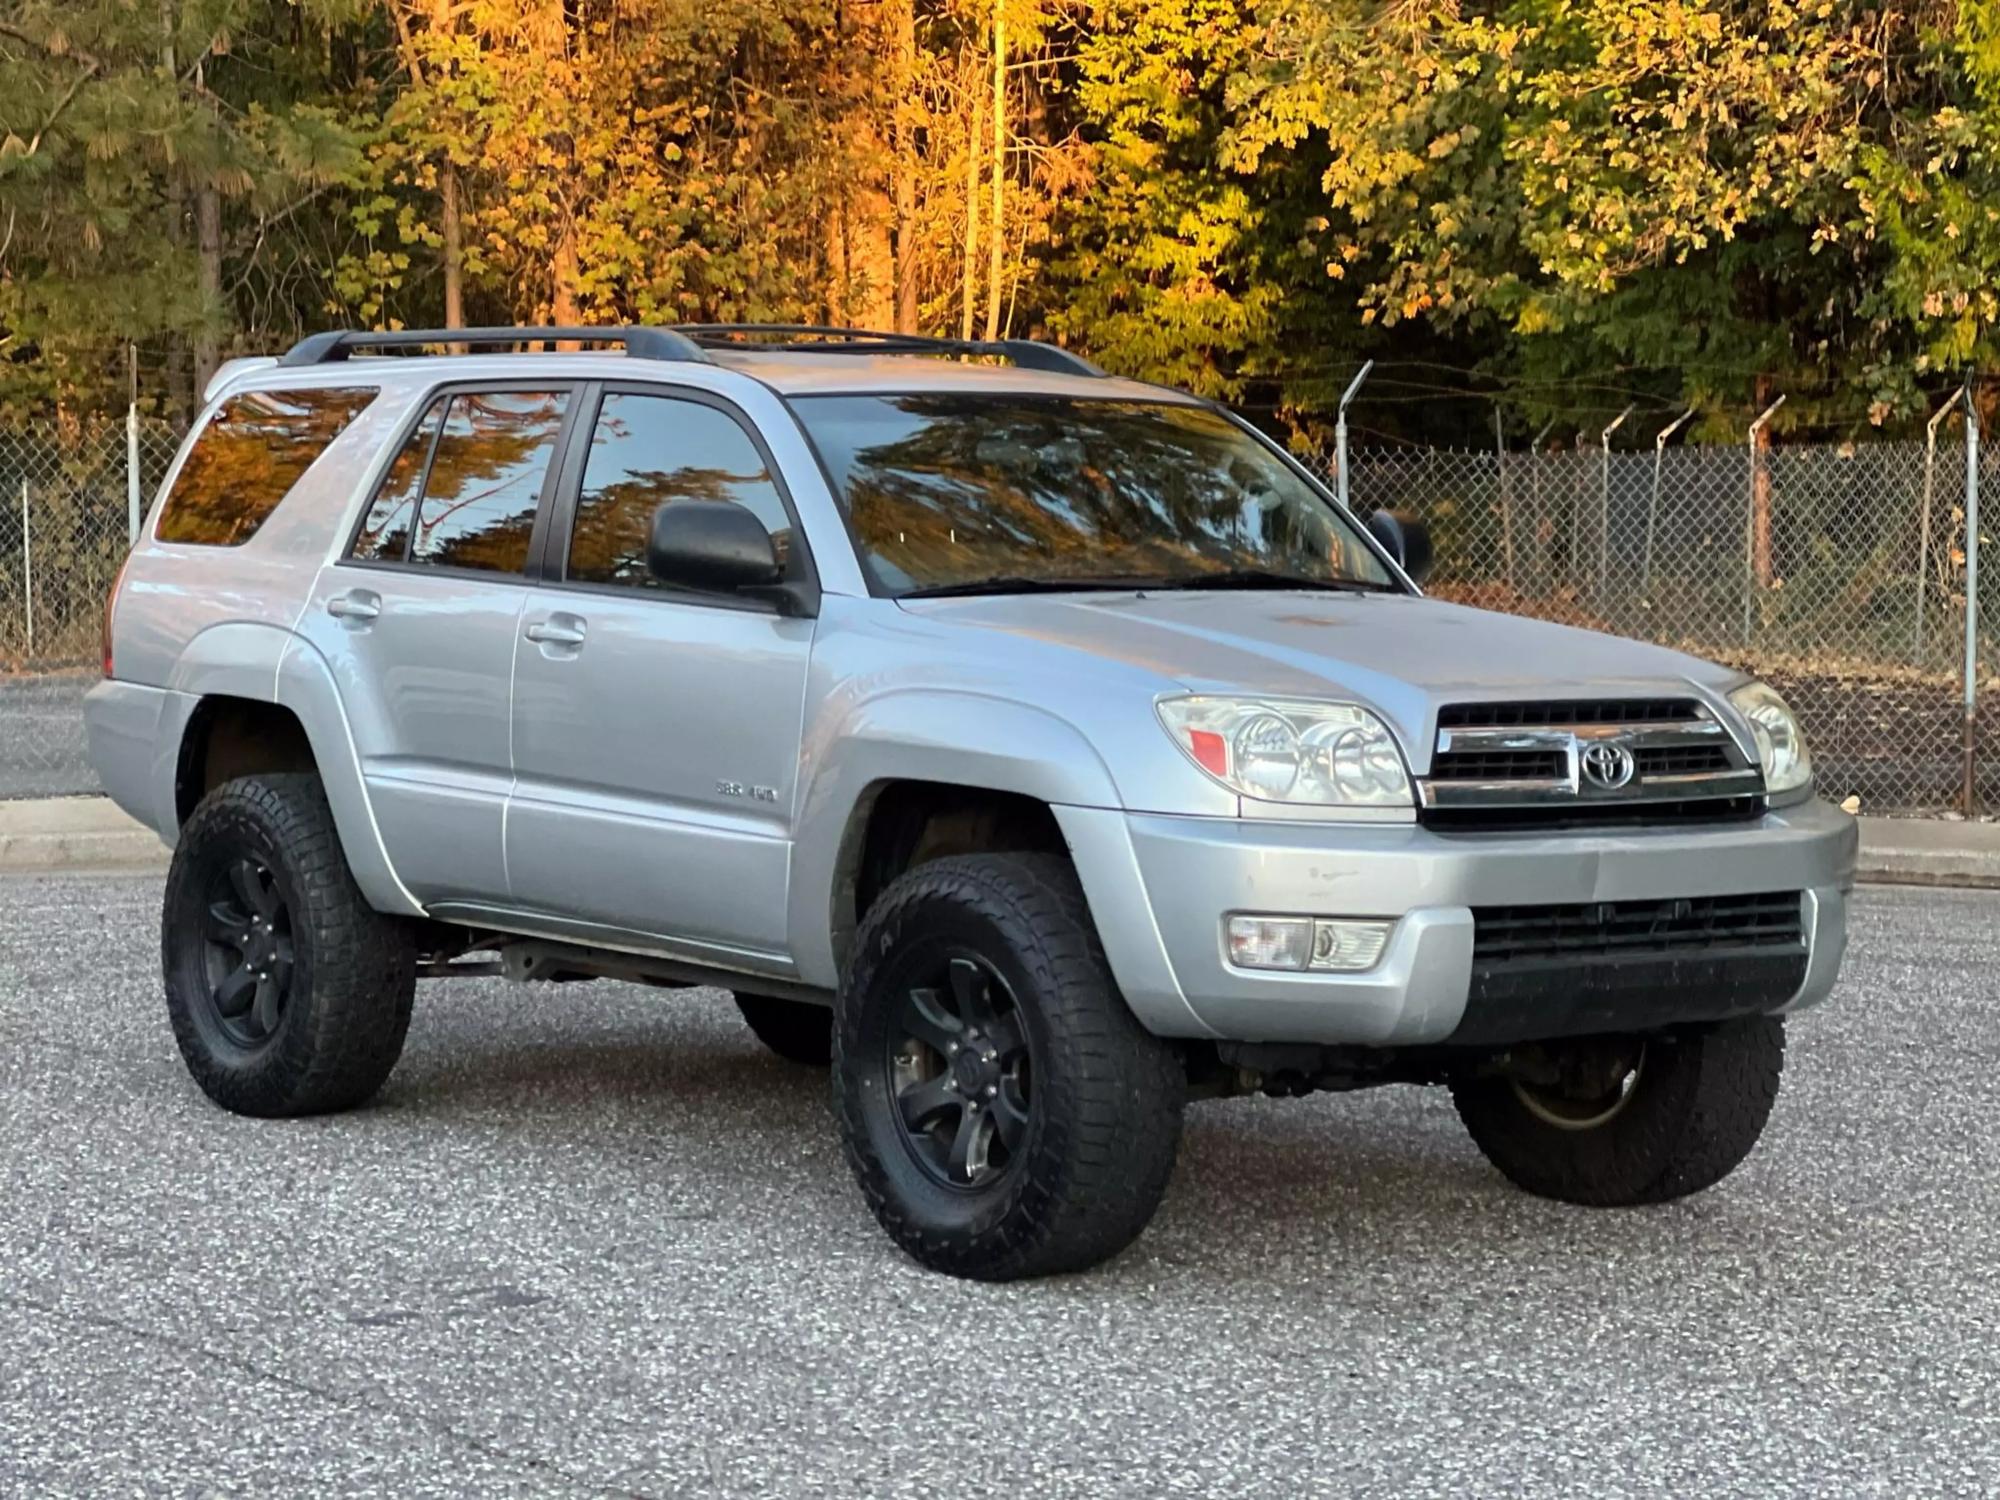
1928,851
90,833
75,833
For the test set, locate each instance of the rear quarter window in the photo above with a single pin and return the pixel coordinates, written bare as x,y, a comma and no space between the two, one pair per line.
248,458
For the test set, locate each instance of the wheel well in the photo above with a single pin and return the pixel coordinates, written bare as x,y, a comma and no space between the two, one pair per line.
902,824
231,737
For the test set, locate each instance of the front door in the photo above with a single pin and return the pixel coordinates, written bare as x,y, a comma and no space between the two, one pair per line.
419,621
656,731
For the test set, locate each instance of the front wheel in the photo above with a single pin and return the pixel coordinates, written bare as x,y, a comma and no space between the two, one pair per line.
1003,1111
1620,1121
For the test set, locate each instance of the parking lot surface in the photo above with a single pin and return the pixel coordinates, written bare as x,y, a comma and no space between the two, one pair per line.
41,736
592,1241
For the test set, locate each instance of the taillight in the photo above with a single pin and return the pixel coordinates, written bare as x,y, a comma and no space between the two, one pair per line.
111,604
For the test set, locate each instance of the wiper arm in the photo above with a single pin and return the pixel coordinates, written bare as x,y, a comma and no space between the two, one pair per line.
1264,578
1008,583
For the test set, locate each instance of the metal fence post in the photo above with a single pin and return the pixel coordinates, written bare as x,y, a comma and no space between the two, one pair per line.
27,572
1506,500
1750,521
1924,525
1604,506
1969,798
1653,500
132,474
1340,433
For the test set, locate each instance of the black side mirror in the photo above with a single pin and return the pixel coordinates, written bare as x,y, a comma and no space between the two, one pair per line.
719,545
1406,539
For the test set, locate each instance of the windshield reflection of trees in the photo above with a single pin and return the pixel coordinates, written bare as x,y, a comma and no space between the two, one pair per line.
1057,489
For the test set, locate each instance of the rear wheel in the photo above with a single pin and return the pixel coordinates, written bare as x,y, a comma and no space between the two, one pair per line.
796,1030
1617,1121
288,993
1004,1113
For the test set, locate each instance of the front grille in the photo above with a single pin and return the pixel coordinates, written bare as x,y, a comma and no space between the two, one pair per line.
1500,765
1568,711
1682,760
1615,929
1541,764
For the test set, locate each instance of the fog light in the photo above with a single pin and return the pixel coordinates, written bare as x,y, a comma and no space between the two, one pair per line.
1348,947
1270,942
1339,945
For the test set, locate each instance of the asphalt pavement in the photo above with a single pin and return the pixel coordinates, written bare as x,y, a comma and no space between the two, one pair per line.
592,1241
41,736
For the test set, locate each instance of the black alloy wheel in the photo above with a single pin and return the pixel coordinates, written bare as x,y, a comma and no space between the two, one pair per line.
289,995
1004,1112
247,940
961,1072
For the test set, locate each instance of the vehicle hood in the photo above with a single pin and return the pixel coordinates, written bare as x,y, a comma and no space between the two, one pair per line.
1399,654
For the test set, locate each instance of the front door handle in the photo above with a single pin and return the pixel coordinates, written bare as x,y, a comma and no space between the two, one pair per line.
557,630
356,606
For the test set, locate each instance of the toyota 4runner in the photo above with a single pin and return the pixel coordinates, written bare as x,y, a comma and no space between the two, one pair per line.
1041,749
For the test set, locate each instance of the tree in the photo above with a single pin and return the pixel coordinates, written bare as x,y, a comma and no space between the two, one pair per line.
146,156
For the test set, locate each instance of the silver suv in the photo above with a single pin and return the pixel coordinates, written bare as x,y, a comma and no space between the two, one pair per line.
1041,749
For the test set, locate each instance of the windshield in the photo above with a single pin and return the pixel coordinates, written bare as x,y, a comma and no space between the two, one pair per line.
948,493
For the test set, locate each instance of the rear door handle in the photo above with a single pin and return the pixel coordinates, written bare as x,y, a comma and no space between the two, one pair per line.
557,630
358,605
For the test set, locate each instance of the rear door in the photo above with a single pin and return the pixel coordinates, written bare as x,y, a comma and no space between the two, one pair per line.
656,731
420,617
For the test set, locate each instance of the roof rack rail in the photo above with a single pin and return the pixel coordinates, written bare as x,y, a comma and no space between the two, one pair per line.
814,338
639,342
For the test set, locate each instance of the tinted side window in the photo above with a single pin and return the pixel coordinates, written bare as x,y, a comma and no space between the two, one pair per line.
248,458
386,532
485,480
646,451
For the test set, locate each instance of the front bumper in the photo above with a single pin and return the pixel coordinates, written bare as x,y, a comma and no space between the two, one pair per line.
1159,888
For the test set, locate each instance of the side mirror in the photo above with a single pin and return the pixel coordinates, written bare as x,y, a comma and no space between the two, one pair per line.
710,544
1406,539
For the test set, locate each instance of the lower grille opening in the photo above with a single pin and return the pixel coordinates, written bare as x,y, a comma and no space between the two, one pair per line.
1675,813
1608,929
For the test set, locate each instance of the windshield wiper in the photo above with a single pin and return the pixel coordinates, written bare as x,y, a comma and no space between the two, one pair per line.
1152,583
1263,578
1005,583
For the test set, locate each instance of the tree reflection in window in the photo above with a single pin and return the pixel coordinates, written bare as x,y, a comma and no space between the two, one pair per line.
486,480
248,458
385,534
952,489
645,452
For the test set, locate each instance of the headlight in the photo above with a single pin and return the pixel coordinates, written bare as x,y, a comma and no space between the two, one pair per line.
1781,746
1278,750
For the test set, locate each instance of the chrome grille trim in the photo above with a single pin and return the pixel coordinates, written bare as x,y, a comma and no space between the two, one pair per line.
1660,726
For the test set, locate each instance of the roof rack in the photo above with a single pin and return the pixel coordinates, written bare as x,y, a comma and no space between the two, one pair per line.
814,338
686,341
639,343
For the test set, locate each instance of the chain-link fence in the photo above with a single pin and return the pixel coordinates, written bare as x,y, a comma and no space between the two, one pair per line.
1837,572
66,505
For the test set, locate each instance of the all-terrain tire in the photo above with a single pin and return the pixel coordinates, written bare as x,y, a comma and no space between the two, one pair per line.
1695,1110
797,1030
345,1004
1104,1118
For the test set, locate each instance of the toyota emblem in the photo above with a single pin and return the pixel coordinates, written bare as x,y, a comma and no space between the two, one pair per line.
1608,765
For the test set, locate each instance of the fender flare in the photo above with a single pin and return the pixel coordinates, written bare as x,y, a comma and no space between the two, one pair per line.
270,664
919,734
